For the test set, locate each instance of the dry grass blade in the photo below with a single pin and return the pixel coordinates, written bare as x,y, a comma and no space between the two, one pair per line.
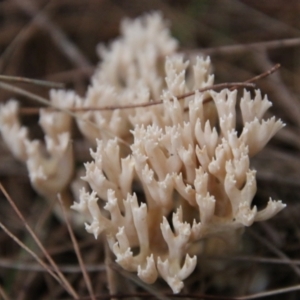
271,293
231,49
172,296
58,36
275,250
23,266
77,251
3,294
65,282
45,266
149,296
5,55
39,82
263,260
32,96
26,266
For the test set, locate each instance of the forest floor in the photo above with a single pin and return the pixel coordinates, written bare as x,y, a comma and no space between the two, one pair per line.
244,39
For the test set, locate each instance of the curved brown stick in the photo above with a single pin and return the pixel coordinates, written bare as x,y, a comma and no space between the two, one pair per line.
232,86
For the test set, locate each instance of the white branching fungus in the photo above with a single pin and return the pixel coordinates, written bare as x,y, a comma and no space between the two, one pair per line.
50,167
14,135
54,123
50,175
194,167
131,72
186,177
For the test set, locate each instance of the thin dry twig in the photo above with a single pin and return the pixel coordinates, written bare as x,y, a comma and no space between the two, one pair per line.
232,86
234,49
77,251
29,266
141,105
289,104
258,259
63,279
266,21
21,36
275,250
43,83
264,74
22,245
172,296
72,75
285,290
58,36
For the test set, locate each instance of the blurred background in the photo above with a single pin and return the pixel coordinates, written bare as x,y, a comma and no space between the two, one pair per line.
56,40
